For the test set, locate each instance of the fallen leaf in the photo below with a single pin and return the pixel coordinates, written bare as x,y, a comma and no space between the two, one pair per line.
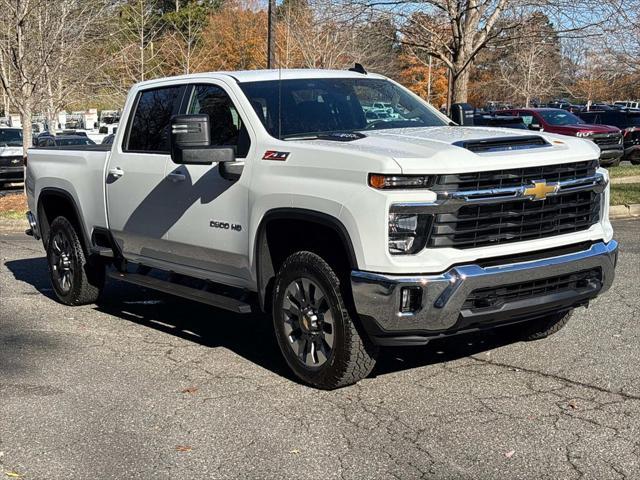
510,453
183,448
295,451
190,390
13,474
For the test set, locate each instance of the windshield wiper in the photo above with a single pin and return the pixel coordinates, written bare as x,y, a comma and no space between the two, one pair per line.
339,136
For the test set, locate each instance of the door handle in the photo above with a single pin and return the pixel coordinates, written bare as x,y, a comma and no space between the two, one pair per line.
176,177
116,172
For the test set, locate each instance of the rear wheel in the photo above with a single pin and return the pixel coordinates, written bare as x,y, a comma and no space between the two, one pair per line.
75,279
542,328
315,332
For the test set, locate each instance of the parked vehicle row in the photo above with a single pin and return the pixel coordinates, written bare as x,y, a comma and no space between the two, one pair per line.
555,120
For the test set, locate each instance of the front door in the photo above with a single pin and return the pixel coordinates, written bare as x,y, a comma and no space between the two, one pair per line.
211,228
137,187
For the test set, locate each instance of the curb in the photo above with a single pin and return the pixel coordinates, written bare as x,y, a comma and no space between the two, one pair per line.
625,180
625,211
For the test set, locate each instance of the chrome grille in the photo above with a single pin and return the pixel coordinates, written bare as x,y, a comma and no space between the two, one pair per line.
502,219
515,176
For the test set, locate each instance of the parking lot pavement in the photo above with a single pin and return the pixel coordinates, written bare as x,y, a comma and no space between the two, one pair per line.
152,387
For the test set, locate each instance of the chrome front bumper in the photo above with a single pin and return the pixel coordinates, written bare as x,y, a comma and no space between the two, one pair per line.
377,297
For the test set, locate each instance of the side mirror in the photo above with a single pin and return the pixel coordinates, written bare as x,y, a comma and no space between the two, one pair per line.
534,126
191,143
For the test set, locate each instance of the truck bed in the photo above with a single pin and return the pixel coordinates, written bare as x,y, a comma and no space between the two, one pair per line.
76,170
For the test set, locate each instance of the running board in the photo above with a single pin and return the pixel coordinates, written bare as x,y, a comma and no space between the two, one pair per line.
202,296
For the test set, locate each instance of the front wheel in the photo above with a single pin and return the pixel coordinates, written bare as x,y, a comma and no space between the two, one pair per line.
75,280
320,341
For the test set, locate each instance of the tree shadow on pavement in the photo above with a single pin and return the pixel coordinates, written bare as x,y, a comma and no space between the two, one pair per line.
250,336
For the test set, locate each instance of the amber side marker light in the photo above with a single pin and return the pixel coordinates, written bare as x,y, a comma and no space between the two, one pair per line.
386,182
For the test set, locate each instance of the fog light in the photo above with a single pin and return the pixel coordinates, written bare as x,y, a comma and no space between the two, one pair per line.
410,299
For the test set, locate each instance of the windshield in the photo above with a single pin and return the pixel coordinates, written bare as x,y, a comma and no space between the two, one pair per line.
330,105
10,137
559,117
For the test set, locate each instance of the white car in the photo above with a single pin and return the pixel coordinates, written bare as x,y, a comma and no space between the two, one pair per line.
11,155
272,191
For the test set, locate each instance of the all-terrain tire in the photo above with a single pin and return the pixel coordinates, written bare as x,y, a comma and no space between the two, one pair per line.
542,328
352,356
84,277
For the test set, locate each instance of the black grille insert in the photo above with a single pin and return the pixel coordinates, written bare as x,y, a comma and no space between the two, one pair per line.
480,225
492,298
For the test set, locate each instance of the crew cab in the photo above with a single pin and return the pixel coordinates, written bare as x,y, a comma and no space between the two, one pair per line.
273,191
11,155
556,120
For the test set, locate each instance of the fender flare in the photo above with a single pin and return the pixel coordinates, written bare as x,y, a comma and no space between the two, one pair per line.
59,192
264,265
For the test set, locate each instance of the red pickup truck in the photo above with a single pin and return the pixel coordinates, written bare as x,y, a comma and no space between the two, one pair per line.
556,120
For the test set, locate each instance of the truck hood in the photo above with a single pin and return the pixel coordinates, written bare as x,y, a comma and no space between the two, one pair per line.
441,149
10,151
583,127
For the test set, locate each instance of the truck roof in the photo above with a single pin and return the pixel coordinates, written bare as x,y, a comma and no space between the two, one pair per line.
243,76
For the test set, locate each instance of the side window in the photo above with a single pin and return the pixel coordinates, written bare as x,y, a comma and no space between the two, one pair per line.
227,127
527,119
149,131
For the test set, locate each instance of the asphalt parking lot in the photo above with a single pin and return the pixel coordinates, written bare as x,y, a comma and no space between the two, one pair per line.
152,387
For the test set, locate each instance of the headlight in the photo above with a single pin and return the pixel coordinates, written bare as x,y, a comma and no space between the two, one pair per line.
408,232
384,182
584,134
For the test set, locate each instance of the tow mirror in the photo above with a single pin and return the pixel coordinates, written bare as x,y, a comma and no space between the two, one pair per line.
191,142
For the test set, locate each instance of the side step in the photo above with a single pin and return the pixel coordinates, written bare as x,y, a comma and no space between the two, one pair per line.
202,296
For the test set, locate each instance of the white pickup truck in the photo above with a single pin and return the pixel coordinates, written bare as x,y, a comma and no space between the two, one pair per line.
274,191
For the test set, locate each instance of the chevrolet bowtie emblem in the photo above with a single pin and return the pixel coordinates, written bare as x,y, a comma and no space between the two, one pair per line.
540,190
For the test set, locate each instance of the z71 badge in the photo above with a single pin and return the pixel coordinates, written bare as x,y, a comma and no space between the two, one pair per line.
225,226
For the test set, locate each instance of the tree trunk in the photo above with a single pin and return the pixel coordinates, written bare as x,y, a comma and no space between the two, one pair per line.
460,86
25,119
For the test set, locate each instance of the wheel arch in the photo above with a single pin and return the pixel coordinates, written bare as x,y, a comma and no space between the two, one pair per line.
61,202
267,263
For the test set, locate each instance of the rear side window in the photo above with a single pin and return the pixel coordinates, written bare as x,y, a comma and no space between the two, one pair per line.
149,130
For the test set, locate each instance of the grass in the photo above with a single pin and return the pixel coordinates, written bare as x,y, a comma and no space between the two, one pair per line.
625,193
13,207
624,171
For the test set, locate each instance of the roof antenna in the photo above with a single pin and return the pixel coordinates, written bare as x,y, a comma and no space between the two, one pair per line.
358,68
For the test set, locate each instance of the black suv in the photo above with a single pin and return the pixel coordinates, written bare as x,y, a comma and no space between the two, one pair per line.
627,121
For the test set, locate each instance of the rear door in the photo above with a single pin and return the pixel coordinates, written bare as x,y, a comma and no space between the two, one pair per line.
137,190
210,231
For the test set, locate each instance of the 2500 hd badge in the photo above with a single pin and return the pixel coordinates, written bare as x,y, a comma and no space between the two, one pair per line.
225,226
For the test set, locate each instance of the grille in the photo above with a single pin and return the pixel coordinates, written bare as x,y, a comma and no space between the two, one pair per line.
9,161
613,139
495,297
515,177
482,225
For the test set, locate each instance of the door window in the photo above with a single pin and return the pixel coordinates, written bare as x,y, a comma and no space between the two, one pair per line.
227,127
149,131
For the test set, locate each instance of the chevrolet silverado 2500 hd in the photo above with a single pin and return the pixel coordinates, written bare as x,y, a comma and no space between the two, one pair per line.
275,191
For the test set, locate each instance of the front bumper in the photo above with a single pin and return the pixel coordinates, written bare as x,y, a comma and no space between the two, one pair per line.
442,308
611,154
